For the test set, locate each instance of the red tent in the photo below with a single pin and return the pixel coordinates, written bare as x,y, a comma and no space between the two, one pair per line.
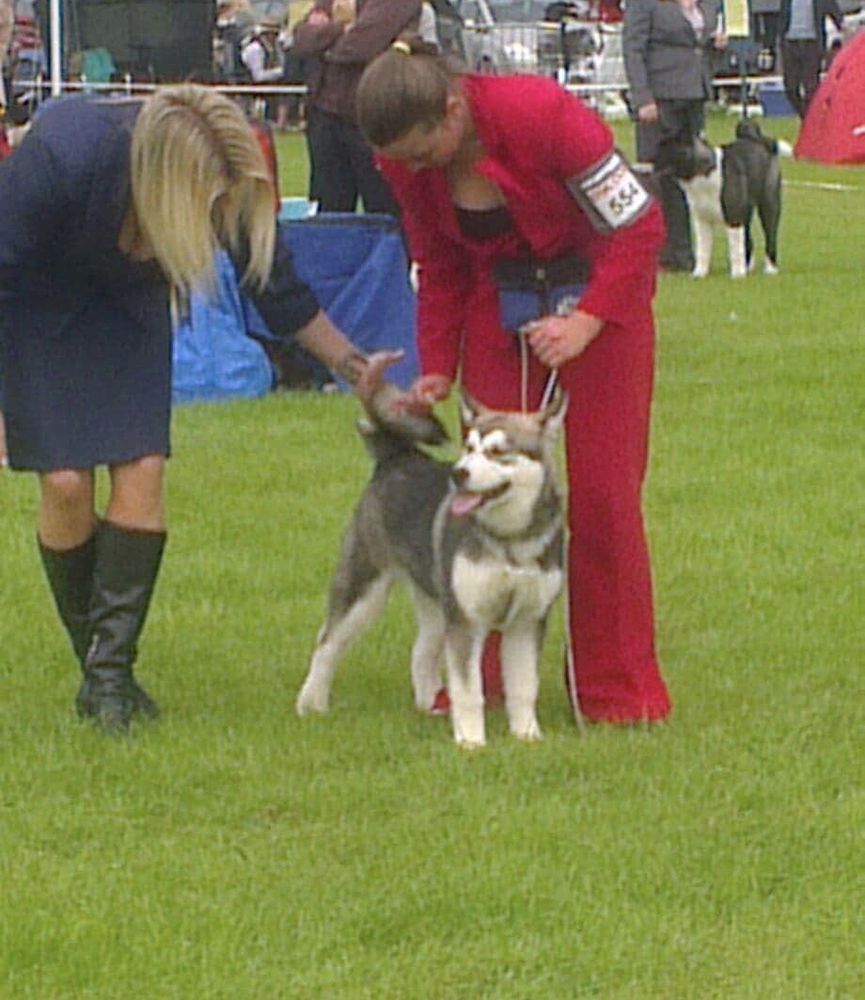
834,127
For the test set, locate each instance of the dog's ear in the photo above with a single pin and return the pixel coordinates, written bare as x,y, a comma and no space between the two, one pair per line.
552,417
470,409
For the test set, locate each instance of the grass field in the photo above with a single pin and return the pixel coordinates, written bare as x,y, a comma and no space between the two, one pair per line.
234,851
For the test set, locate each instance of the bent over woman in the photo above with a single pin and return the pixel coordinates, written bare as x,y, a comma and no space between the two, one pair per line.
109,210
499,176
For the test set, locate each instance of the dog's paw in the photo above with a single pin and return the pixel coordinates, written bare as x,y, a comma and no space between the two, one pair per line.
312,700
769,268
470,745
528,731
700,272
739,273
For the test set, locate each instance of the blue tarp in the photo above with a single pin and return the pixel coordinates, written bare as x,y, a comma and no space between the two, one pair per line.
213,356
355,264
357,267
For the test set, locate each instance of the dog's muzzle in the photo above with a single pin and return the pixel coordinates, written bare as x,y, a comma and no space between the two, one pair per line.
463,501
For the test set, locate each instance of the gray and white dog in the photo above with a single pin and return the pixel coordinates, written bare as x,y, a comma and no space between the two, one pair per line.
480,543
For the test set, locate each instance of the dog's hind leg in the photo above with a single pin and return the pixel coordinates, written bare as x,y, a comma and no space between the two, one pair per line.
427,651
769,209
463,648
354,604
520,650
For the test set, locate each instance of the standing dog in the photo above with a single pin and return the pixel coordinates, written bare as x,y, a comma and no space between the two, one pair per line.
723,185
480,543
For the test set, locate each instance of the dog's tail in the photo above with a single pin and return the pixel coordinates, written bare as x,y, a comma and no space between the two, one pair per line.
388,412
386,443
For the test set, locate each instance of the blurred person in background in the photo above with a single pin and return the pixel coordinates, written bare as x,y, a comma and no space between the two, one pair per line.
670,49
803,47
339,38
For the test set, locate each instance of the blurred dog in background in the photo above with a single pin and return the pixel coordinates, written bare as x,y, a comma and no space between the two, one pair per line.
724,185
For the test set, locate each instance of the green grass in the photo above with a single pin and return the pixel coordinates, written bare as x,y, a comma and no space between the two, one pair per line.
234,851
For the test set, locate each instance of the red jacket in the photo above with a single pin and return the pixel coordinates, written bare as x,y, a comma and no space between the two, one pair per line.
536,136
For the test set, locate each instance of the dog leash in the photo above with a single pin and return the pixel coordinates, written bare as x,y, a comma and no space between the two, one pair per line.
549,387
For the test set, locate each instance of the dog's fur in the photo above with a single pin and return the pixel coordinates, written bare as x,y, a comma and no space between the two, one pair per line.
480,543
723,186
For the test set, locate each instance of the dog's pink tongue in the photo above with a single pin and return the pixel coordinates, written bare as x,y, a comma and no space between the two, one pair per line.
463,504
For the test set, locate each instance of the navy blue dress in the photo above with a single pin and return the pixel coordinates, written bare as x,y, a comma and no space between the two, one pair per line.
85,332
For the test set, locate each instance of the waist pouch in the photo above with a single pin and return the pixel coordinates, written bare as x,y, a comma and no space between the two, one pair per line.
529,289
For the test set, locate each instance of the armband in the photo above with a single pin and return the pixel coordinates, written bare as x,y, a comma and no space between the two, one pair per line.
610,193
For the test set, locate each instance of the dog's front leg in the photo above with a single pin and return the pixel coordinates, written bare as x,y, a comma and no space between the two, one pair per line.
463,650
736,248
702,245
520,651
427,650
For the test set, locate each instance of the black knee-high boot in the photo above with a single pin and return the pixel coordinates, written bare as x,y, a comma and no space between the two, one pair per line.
70,576
127,565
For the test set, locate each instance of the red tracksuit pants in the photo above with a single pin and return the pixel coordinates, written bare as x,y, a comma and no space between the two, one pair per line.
613,673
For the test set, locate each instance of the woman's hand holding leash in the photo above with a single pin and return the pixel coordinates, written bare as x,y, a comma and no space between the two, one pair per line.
557,339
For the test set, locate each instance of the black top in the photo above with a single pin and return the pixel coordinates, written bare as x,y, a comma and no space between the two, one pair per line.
484,223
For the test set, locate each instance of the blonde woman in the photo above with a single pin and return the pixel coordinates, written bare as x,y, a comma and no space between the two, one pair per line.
110,210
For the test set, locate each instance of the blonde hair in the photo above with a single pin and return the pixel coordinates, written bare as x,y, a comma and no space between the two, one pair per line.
200,181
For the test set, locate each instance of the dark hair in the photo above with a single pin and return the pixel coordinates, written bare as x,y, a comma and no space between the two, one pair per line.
407,85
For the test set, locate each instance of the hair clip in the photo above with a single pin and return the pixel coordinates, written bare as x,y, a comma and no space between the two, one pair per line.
400,46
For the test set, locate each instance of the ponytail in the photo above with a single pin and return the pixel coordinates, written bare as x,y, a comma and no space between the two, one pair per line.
406,86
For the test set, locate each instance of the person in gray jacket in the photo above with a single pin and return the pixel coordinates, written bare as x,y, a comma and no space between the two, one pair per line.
803,45
669,48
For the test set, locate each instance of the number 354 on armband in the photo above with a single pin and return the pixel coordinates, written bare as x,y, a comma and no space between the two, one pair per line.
610,193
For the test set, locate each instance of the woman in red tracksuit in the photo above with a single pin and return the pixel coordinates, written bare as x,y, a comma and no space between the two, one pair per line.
488,168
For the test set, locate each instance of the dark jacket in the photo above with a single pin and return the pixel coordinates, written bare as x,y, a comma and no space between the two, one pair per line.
822,10
663,56
340,56
85,332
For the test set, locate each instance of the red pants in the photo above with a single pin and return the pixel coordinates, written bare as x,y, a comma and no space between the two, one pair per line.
614,673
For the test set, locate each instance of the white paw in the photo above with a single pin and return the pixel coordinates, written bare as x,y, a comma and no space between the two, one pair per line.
700,272
529,732
738,273
425,696
769,268
470,745
313,699
469,730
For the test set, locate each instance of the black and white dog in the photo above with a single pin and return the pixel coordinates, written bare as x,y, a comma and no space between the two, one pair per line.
480,543
723,186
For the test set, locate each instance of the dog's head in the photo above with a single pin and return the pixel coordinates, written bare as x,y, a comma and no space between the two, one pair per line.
506,465
686,160
749,131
